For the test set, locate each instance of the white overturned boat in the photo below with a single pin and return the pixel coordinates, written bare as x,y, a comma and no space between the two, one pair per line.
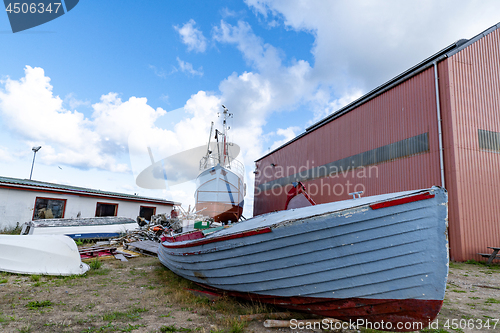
81,228
44,255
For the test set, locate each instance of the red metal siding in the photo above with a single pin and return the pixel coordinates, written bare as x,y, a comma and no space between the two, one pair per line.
471,100
455,229
407,110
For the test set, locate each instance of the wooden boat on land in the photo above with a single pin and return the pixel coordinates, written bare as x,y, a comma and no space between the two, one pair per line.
380,259
81,228
220,188
43,254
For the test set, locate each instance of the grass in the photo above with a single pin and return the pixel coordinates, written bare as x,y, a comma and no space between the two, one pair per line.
227,309
173,328
493,266
237,326
25,329
35,278
133,314
113,328
11,230
168,288
101,271
95,264
34,305
492,301
454,264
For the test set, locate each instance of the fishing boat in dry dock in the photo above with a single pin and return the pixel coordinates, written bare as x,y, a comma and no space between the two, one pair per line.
379,258
220,188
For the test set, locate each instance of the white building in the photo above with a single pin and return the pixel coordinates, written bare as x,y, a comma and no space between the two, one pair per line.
23,200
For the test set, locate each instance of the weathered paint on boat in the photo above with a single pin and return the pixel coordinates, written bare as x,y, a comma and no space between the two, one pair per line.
40,254
375,258
81,228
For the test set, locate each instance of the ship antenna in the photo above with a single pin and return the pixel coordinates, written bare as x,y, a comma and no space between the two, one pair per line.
224,129
208,146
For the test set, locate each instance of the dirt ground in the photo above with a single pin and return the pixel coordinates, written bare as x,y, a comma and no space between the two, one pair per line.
142,296
472,299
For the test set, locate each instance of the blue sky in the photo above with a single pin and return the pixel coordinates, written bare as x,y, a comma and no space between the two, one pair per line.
99,84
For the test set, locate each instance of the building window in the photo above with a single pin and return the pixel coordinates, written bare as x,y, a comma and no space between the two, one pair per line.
146,212
49,208
106,209
488,140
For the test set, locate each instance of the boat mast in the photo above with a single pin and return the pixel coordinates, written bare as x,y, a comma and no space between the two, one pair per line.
224,130
209,138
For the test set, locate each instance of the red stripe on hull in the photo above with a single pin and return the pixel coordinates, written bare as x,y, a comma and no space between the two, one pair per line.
402,201
219,239
405,312
184,237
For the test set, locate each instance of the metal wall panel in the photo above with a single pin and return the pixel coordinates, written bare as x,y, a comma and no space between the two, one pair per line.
406,111
471,96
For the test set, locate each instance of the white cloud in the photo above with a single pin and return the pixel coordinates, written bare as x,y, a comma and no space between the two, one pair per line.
192,37
190,131
188,68
324,104
287,134
226,13
361,44
5,155
30,110
73,102
254,96
114,120
263,56
160,72
102,141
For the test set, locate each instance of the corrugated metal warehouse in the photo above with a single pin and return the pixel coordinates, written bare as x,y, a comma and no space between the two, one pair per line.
437,123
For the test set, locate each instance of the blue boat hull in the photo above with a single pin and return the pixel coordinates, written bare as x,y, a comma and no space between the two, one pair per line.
380,258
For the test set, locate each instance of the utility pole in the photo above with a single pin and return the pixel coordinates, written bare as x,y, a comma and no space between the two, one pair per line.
35,149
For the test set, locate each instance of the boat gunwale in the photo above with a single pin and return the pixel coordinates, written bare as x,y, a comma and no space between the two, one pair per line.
418,196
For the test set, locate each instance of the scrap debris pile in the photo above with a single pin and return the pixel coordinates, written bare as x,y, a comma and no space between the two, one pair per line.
162,224
144,240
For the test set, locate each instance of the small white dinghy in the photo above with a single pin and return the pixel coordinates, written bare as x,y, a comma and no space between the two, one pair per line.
40,254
